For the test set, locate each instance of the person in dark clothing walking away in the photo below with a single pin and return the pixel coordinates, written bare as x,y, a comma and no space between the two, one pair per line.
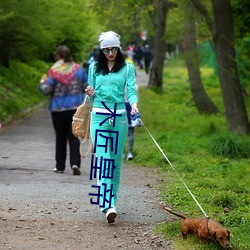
147,54
65,84
138,56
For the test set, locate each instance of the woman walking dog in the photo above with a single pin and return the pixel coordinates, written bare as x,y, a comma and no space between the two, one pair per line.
108,78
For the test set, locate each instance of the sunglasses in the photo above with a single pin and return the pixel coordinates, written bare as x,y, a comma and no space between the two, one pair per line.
106,51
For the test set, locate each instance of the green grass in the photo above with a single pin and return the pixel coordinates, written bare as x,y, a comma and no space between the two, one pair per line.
19,88
214,164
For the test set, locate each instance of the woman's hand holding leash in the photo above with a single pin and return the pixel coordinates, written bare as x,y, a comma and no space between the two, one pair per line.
134,109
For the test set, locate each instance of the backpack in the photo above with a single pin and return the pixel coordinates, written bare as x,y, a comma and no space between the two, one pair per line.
81,125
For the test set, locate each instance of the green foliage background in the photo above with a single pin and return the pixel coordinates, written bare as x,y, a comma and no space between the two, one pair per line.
29,32
214,165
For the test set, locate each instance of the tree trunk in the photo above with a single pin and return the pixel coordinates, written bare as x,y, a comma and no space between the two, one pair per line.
223,38
201,99
235,109
159,47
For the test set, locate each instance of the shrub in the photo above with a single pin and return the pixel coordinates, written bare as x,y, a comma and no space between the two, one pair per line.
231,146
223,200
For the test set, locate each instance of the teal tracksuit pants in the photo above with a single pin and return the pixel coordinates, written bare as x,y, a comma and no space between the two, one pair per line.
108,141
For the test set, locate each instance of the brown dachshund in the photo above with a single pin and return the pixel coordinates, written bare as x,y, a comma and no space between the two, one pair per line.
204,229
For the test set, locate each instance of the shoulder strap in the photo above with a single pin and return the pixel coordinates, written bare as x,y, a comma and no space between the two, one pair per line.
85,99
126,73
93,72
126,82
90,148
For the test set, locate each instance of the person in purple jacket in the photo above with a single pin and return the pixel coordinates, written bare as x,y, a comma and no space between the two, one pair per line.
65,83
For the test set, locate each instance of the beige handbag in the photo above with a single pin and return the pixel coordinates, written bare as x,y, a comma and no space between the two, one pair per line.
81,125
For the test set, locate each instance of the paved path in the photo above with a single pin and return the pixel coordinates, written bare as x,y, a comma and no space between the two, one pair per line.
26,163
30,190
27,160
141,78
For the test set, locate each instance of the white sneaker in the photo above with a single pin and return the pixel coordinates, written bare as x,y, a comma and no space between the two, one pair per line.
111,215
58,171
76,170
129,156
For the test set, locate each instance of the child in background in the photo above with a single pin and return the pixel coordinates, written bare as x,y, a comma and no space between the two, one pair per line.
128,108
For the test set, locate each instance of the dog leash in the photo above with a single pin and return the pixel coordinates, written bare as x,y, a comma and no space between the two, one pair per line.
174,169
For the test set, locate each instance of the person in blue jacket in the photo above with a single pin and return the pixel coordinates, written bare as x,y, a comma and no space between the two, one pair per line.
108,77
65,83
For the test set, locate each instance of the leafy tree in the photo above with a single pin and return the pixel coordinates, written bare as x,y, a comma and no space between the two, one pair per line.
22,35
241,18
126,17
28,33
175,24
221,28
242,33
156,72
78,29
201,99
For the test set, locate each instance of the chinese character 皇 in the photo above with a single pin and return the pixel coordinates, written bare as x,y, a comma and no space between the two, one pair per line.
106,168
